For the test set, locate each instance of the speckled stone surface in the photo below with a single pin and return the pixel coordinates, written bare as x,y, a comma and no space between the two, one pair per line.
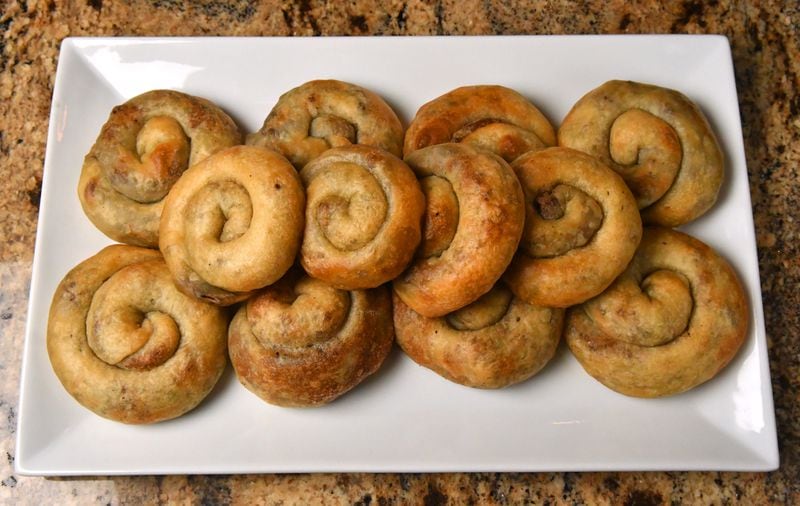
766,49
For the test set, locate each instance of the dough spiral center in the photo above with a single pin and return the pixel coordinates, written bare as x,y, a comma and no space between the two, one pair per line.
129,324
336,131
310,313
562,219
649,154
350,205
651,310
489,309
147,169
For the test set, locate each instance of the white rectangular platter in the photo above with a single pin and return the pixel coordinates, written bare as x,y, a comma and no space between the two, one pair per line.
405,418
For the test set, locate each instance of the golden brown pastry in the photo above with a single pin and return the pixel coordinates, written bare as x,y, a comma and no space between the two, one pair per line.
363,213
471,228
319,115
658,140
582,228
141,151
494,342
671,321
126,344
493,118
301,342
232,224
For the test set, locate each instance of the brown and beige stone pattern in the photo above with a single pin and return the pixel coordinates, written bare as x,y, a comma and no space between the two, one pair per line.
766,50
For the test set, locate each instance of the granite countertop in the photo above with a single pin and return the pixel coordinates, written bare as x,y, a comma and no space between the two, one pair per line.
766,52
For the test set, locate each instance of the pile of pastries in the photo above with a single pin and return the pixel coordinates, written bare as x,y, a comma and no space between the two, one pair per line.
476,238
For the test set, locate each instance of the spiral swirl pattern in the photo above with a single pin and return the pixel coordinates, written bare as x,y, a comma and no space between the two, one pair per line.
472,225
496,341
493,118
657,140
670,322
319,115
232,224
363,213
141,151
126,344
582,228
302,342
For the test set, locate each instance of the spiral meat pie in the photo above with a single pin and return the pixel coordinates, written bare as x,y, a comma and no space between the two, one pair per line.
324,114
363,213
232,224
581,230
658,140
141,151
302,342
670,322
471,228
126,344
494,342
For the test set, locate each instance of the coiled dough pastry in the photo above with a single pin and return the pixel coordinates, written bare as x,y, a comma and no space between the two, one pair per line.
232,224
658,140
581,230
126,344
671,321
489,117
302,342
496,341
363,212
471,228
141,151
324,114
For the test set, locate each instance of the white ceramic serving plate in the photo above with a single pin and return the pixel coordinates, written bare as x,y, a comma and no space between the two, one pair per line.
405,418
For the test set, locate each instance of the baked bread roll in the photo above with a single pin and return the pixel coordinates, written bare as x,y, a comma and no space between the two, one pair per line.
493,118
363,212
320,115
496,341
658,140
232,224
141,151
126,344
670,322
301,342
471,228
582,228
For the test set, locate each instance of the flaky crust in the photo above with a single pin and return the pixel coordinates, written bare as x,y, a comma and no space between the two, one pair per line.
232,224
672,321
658,140
494,342
302,342
126,344
472,225
581,230
142,149
489,117
323,114
363,213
